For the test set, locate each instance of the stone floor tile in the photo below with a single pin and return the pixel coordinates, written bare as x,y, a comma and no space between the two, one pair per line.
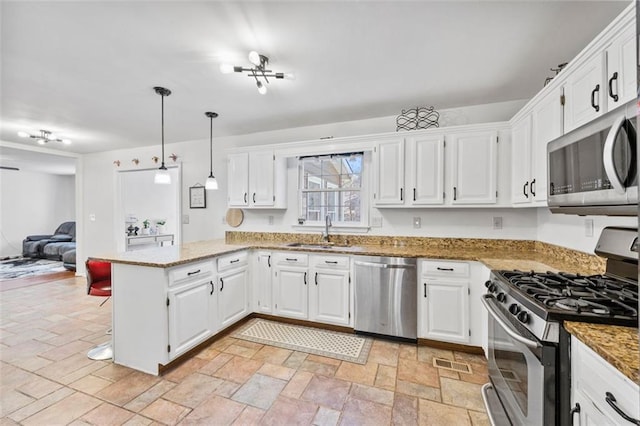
5,421
461,394
259,391
12,400
443,372
384,353
469,357
418,372
113,372
64,411
72,348
107,414
192,390
318,368
405,410
479,419
249,416
40,404
140,402
185,369
165,412
31,363
247,343
208,353
227,388
297,384
326,417
358,373
90,384
215,411
238,369
272,355
416,389
386,377
359,412
216,363
126,389
435,413
295,411
295,360
327,391
479,374
324,359
138,420
37,387
408,352
369,393
277,371
242,351
427,353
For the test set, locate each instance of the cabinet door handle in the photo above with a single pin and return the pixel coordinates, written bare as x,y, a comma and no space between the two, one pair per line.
291,259
611,400
316,278
211,282
305,278
245,197
193,273
593,98
574,410
235,261
444,269
613,77
414,194
532,188
401,194
525,188
269,261
221,284
425,290
455,193
334,262
254,197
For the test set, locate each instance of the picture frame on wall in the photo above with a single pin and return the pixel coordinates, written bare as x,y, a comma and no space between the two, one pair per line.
197,197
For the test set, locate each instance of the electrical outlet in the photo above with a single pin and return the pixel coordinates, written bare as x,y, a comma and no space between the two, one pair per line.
270,220
588,227
92,217
417,222
376,222
185,219
497,222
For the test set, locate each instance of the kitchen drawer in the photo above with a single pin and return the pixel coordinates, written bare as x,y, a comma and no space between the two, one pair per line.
595,377
331,262
292,258
232,260
141,240
437,268
191,272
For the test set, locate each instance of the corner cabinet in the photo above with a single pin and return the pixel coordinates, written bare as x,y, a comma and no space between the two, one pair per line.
257,179
475,167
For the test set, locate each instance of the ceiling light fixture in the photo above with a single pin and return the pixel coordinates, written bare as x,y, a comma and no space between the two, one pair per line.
211,182
162,175
44,137
258,71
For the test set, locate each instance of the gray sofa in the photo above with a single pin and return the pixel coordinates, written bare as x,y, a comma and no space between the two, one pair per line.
53,246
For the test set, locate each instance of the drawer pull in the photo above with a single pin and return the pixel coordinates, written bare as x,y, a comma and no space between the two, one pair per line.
235,261
221,284
211,282
444,269
305,278
193,273
316,278
425,289
269,261
611,400
334,262
291,259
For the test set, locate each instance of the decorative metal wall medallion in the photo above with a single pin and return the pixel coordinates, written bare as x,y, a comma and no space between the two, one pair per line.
417,118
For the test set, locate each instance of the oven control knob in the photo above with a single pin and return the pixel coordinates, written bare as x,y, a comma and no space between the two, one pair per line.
514,309
491,286
523,317
487,283
501,297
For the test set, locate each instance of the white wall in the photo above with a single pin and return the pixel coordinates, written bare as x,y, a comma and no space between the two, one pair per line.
32,203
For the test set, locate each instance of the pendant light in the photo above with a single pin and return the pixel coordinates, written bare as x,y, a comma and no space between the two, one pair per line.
211,183
162,175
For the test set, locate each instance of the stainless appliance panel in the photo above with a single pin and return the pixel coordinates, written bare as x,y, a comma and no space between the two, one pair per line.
386,296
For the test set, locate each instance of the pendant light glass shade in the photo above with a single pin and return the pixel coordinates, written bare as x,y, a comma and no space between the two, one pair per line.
162,175
211,182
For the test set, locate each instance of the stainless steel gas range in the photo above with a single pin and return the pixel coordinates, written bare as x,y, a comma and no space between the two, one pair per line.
529,350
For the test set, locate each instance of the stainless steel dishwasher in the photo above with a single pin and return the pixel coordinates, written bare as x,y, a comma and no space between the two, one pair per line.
385,296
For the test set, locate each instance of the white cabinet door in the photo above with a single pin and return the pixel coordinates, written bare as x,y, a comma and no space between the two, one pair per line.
262,283
261,178
584,93
547,125
621,69
291,292
474,174
447,310
329,297
389,173
232,296
588,414
238,180
521,161
425,168
189,321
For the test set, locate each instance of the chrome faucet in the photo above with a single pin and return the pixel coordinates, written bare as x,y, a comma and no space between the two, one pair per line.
327,224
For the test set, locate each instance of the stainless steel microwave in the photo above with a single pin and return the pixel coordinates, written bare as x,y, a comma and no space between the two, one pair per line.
593,170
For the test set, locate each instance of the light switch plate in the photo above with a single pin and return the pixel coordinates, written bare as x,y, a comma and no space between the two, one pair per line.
92,217
588,227
185,219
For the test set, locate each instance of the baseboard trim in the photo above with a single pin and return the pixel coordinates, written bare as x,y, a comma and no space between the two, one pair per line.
451,346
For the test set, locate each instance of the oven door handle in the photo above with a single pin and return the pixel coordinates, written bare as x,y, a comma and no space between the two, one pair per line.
508,328
607,152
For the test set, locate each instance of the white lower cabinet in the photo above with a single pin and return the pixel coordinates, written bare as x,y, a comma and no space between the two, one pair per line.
262,284
597,387
329,290
189,316
290,285
233,288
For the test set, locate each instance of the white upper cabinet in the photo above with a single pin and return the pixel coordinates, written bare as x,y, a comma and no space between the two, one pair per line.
521,160
584,93
389,172
621,69
257,179
425,169
474,169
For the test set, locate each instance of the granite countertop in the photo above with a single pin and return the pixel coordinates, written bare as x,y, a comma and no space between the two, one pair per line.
617,345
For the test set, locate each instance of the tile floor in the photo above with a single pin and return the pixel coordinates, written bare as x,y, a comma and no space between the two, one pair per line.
46,378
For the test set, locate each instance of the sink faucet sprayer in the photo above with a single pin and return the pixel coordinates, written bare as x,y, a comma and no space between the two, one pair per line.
327,224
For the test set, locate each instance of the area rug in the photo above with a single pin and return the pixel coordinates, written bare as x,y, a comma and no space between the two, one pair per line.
332,344
27,267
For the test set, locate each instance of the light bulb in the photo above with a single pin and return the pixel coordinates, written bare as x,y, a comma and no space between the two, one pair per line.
226,68
262,89
254,57
41,141
211,183
162,176
66,141
23,134
289,76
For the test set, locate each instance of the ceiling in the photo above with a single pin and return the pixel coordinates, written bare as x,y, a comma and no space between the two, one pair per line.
85,70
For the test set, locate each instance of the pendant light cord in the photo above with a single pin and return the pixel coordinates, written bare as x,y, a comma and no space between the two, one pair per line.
162,121
211,146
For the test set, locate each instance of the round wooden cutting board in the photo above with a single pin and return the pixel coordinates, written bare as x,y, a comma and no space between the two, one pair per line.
234,217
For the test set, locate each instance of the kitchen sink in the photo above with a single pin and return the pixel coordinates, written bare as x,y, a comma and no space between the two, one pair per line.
325,246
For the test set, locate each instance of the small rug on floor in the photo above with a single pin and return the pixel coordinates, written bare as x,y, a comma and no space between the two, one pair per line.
332,344
27,267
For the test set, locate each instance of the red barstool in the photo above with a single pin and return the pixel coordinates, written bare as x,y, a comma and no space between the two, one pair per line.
99,284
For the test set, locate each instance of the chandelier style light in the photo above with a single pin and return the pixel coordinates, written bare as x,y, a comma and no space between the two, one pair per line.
162,175
44,137
211,182
258,71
